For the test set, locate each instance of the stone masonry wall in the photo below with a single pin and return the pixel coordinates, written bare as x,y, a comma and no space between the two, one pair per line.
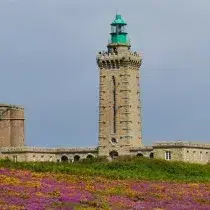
5,127
176,153
183,151
196,155
33,154
119,102
17,127
11,126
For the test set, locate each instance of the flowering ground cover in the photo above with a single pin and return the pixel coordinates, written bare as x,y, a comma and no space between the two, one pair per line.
24,189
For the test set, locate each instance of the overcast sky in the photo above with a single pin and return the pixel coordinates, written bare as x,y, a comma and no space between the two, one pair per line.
48,65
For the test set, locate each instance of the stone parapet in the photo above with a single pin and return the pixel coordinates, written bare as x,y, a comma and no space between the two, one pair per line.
113,56
46,150
113,60
11,106
143,148
180,144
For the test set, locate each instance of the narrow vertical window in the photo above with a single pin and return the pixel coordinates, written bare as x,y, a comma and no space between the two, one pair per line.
201,156
34,158
193,155
114,104
187,155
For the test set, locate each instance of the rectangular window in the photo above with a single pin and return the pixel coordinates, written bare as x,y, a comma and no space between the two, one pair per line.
187,155
15,158
168,155
42,158
193,155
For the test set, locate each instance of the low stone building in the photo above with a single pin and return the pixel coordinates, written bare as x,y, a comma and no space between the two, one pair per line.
35,154
170,151
182,151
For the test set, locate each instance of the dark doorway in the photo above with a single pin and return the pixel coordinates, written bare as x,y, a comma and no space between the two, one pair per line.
90,157
151,155
76,158
113,154
139,155
64,158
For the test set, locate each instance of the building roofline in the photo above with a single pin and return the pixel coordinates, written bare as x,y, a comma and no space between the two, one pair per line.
187,144
47,150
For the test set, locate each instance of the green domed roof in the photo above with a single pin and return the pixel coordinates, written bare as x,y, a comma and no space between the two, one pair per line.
118,21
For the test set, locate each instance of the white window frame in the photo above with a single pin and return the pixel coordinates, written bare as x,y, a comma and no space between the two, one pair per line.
168,155
201,155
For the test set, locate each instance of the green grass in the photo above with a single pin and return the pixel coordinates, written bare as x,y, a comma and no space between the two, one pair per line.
122,168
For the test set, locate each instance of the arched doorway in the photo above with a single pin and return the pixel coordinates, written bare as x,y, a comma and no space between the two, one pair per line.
113,154
64,158
90,156
139,155
76,158
151,155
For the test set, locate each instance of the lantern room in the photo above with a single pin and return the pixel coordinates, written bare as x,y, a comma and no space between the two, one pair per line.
118,31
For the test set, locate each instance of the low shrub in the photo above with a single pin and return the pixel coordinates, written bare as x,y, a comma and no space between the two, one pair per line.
122,168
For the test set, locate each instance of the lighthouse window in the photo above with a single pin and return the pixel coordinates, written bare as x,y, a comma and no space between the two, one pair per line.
123,29
114,140
113,29
118,29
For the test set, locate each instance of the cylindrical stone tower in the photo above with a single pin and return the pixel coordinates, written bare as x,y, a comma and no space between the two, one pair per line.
5,128
17,126
11,126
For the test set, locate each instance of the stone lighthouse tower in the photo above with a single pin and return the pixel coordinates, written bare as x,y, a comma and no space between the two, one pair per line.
119,96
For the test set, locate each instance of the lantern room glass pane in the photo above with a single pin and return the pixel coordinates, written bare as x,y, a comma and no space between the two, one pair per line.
124,29
118,29
113,29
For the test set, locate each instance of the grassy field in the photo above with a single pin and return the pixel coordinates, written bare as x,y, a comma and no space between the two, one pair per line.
122,168
126,183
